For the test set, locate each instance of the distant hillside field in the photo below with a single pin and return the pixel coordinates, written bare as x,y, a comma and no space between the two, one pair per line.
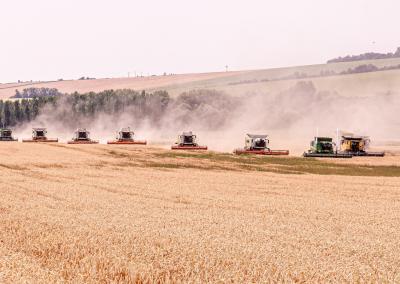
242,82
97,85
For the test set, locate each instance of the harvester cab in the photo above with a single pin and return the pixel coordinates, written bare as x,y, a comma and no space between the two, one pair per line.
82,136
39,133
187,141
259,145
256,142
357,146
353,144
6,135
125,136
324,147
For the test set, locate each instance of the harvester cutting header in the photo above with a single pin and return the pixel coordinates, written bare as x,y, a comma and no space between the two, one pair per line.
257,144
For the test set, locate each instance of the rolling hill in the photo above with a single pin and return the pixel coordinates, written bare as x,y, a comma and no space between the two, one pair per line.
241,82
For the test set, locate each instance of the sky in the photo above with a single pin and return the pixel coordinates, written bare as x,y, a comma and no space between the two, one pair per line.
54,39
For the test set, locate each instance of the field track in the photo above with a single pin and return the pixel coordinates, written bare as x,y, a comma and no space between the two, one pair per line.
131,214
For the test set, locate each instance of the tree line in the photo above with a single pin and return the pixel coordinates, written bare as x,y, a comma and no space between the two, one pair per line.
366,56
19,111
76,105
36,92
363,68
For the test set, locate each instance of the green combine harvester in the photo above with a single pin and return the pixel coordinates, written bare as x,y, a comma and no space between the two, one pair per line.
6,135
324,147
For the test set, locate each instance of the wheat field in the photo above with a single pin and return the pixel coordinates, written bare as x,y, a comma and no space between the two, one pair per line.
95,213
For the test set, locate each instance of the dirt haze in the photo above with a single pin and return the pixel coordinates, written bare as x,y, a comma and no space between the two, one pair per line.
291,118
232,104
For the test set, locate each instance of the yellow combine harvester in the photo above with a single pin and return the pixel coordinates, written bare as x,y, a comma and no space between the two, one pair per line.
357,146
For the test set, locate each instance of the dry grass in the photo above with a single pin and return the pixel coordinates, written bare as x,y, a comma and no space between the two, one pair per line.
103,214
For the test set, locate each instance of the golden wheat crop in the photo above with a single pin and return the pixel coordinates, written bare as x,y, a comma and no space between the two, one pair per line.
94,213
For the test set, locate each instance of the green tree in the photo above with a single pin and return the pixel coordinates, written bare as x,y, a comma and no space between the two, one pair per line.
7,114
26,111
35,108
17,112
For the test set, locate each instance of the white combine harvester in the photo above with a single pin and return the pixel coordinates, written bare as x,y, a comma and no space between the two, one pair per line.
257,144
40,135
126,136
187,141
82,136
6,135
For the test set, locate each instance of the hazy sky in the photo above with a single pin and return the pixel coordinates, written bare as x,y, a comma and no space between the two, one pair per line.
51,39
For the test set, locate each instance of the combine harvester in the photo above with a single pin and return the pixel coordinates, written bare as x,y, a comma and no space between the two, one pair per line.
6,135
258,145
324,147
125,136
82,136
187,141
40,135
357,146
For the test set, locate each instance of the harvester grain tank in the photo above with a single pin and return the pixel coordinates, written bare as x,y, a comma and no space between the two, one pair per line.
357,146
324,147
256,144
40,135
126,136
187,141
82,136
6,135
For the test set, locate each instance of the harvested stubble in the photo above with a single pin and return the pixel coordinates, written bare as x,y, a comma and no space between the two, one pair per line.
108,216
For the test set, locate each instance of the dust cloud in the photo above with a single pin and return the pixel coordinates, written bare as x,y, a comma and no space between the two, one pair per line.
291,118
